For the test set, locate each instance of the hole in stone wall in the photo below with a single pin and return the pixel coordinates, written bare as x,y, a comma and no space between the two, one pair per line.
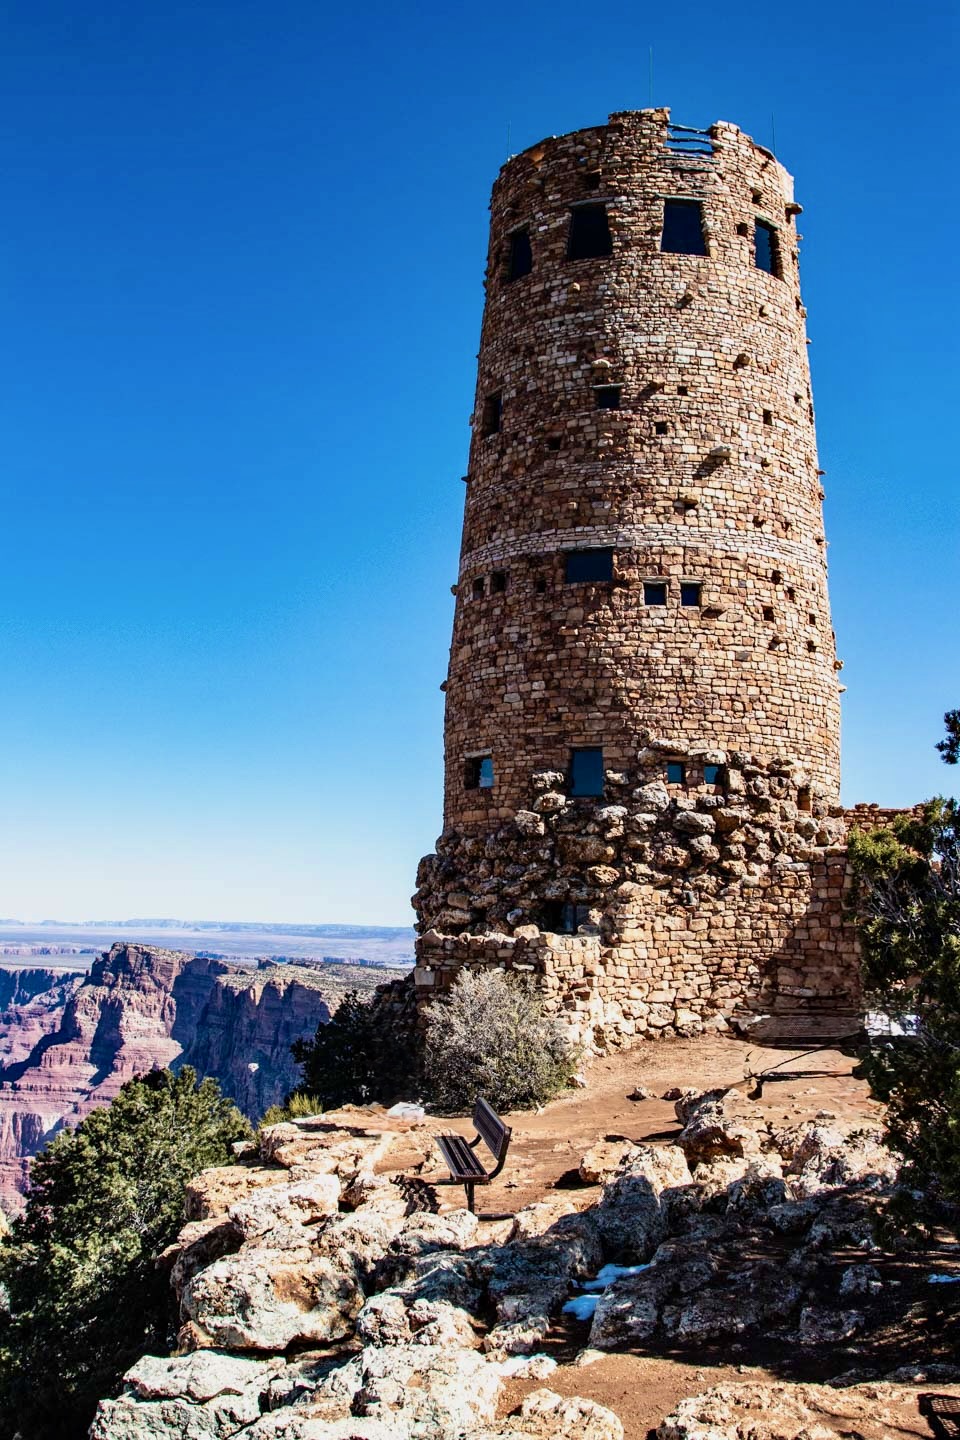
811,618
756,196
804,799
768,417
768,612
540,585
766,249
563,917
607,397
776,576
492,413
584,566
589,237
690,591
478,772
585,776
676,772
591,180
811,645
519,256
682,390
553,442
791,593
661,427
478,588
743,229
654,592
498,582
683,228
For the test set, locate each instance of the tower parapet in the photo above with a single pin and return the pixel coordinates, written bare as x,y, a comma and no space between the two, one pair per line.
642,717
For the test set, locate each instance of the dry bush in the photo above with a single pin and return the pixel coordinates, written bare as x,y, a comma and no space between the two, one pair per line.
490,1037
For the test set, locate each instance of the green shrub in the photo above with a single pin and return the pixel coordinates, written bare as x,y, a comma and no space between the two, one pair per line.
295,1107
490,1037
84,1294
356,1057
907,897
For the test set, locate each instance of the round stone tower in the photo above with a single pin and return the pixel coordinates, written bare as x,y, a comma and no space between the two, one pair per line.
642,600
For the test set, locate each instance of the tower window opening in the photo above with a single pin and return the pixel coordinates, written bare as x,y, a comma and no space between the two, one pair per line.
766,249
478,772
589,237
553,442
682,390
676,772
492,414
811,646
661,427
768,612
690,592
519,256
562,917
585,566
743,229
804,799
791,593
479,588
683,228
768,417
591,180
711,774
811,618
776,576
654,592
498,582
607,397
586,772
540,585
756,196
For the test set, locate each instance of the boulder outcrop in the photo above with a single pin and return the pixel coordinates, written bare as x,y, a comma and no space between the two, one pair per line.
316,1304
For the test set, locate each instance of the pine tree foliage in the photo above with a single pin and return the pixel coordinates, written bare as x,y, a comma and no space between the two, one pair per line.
355,1057
84,1297
490,1037
908,908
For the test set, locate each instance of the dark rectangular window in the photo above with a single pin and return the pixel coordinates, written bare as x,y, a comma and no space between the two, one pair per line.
711,774
661,427
683,228
583,566
478,774
478,588
690,592
562,917
492,413
654,592
520,257
589,236
676,772
498,582
586,772
607,397
766,248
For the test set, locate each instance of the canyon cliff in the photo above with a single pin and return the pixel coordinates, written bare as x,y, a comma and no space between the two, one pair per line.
69,1041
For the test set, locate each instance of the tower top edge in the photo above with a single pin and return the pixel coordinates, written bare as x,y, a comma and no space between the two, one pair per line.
654,118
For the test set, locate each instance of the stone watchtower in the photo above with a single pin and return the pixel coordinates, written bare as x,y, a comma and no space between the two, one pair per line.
642,719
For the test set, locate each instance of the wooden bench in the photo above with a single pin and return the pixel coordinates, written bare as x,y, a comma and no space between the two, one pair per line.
461,1157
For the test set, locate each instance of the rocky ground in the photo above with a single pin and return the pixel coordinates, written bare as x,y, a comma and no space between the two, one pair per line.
725,1257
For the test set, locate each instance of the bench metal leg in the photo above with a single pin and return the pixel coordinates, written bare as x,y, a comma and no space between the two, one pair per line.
468,1186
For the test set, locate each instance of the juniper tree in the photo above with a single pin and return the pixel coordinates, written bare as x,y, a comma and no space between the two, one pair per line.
83,1294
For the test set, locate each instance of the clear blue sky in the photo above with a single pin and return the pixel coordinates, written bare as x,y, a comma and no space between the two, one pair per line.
240,280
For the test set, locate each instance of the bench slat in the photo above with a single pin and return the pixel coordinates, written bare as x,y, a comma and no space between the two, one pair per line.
460,1159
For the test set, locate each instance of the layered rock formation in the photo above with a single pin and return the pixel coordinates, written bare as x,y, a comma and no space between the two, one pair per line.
70,1046
315,1304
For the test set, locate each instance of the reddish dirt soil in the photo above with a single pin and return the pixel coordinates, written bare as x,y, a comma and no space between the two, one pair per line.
545,1151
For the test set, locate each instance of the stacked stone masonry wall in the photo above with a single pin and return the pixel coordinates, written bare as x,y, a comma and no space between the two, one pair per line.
702,898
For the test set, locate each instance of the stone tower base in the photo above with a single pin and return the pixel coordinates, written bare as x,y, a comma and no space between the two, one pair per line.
688,906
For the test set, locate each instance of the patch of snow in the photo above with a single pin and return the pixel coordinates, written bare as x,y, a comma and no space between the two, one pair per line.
581,1306
609,1273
